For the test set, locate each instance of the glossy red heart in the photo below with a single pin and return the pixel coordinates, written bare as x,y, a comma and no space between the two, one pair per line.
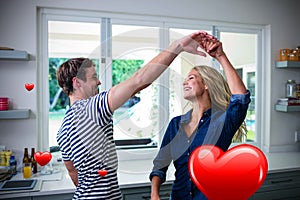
234,174
42,158
102,172
29,86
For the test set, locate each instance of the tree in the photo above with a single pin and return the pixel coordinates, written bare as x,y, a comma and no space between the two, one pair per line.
122,70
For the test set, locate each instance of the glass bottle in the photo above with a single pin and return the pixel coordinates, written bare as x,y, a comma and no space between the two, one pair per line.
26,164
291,88
33,161
26,158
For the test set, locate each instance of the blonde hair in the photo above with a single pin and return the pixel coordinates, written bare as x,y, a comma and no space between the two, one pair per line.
219,93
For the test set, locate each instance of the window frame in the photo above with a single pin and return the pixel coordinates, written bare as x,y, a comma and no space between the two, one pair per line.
259,74
45,15
164,23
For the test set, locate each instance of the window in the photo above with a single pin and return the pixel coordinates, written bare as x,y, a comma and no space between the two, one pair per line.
241,48
178,71
132,47
119,48
67,40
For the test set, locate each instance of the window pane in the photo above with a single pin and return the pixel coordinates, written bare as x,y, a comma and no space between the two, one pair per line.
241,50
178,70
67,40
133,47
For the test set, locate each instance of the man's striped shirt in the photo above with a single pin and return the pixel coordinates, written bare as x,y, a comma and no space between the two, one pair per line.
86,139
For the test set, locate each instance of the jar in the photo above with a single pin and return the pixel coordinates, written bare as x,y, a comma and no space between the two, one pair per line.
294,55
298,91
291,90
284,54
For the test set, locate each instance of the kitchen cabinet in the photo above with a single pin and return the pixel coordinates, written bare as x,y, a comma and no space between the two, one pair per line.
18,198
45,197
287,65
280,186
144,192
56,197
36,196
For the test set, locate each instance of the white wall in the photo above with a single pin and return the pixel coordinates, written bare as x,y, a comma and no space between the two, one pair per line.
18,29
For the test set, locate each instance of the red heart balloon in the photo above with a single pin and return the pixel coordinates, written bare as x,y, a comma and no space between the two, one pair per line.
42,158
29,86
234,174
102,172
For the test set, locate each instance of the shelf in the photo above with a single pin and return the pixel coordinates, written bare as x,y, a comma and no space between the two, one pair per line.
287,64
14,114
13,55
283,108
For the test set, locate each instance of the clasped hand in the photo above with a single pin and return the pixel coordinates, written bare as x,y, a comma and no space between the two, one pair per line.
211,45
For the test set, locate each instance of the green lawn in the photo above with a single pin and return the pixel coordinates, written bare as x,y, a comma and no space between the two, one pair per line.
56,115
250,135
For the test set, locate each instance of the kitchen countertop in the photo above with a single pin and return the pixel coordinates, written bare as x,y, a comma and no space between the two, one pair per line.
136,173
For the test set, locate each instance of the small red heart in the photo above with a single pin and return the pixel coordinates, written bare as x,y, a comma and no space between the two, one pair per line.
42,158
237,173
102,172
29,86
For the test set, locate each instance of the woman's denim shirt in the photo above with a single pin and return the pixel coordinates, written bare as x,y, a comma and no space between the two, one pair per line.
216,127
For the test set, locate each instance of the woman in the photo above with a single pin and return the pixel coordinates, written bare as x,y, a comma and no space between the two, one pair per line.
218,111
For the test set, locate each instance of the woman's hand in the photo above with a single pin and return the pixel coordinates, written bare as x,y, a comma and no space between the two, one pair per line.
215,49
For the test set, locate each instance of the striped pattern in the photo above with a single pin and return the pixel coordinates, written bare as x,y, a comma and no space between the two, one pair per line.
86,138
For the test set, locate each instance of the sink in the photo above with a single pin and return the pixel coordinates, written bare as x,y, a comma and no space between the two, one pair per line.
18,185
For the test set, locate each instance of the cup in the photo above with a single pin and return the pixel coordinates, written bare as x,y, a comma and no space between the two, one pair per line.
27,171
3,103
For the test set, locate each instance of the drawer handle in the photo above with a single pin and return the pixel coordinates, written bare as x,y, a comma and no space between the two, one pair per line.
282,181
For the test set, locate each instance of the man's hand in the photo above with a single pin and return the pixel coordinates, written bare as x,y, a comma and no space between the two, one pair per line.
192,42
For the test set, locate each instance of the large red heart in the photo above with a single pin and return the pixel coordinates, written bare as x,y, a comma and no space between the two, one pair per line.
42,158
234,174
29,86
